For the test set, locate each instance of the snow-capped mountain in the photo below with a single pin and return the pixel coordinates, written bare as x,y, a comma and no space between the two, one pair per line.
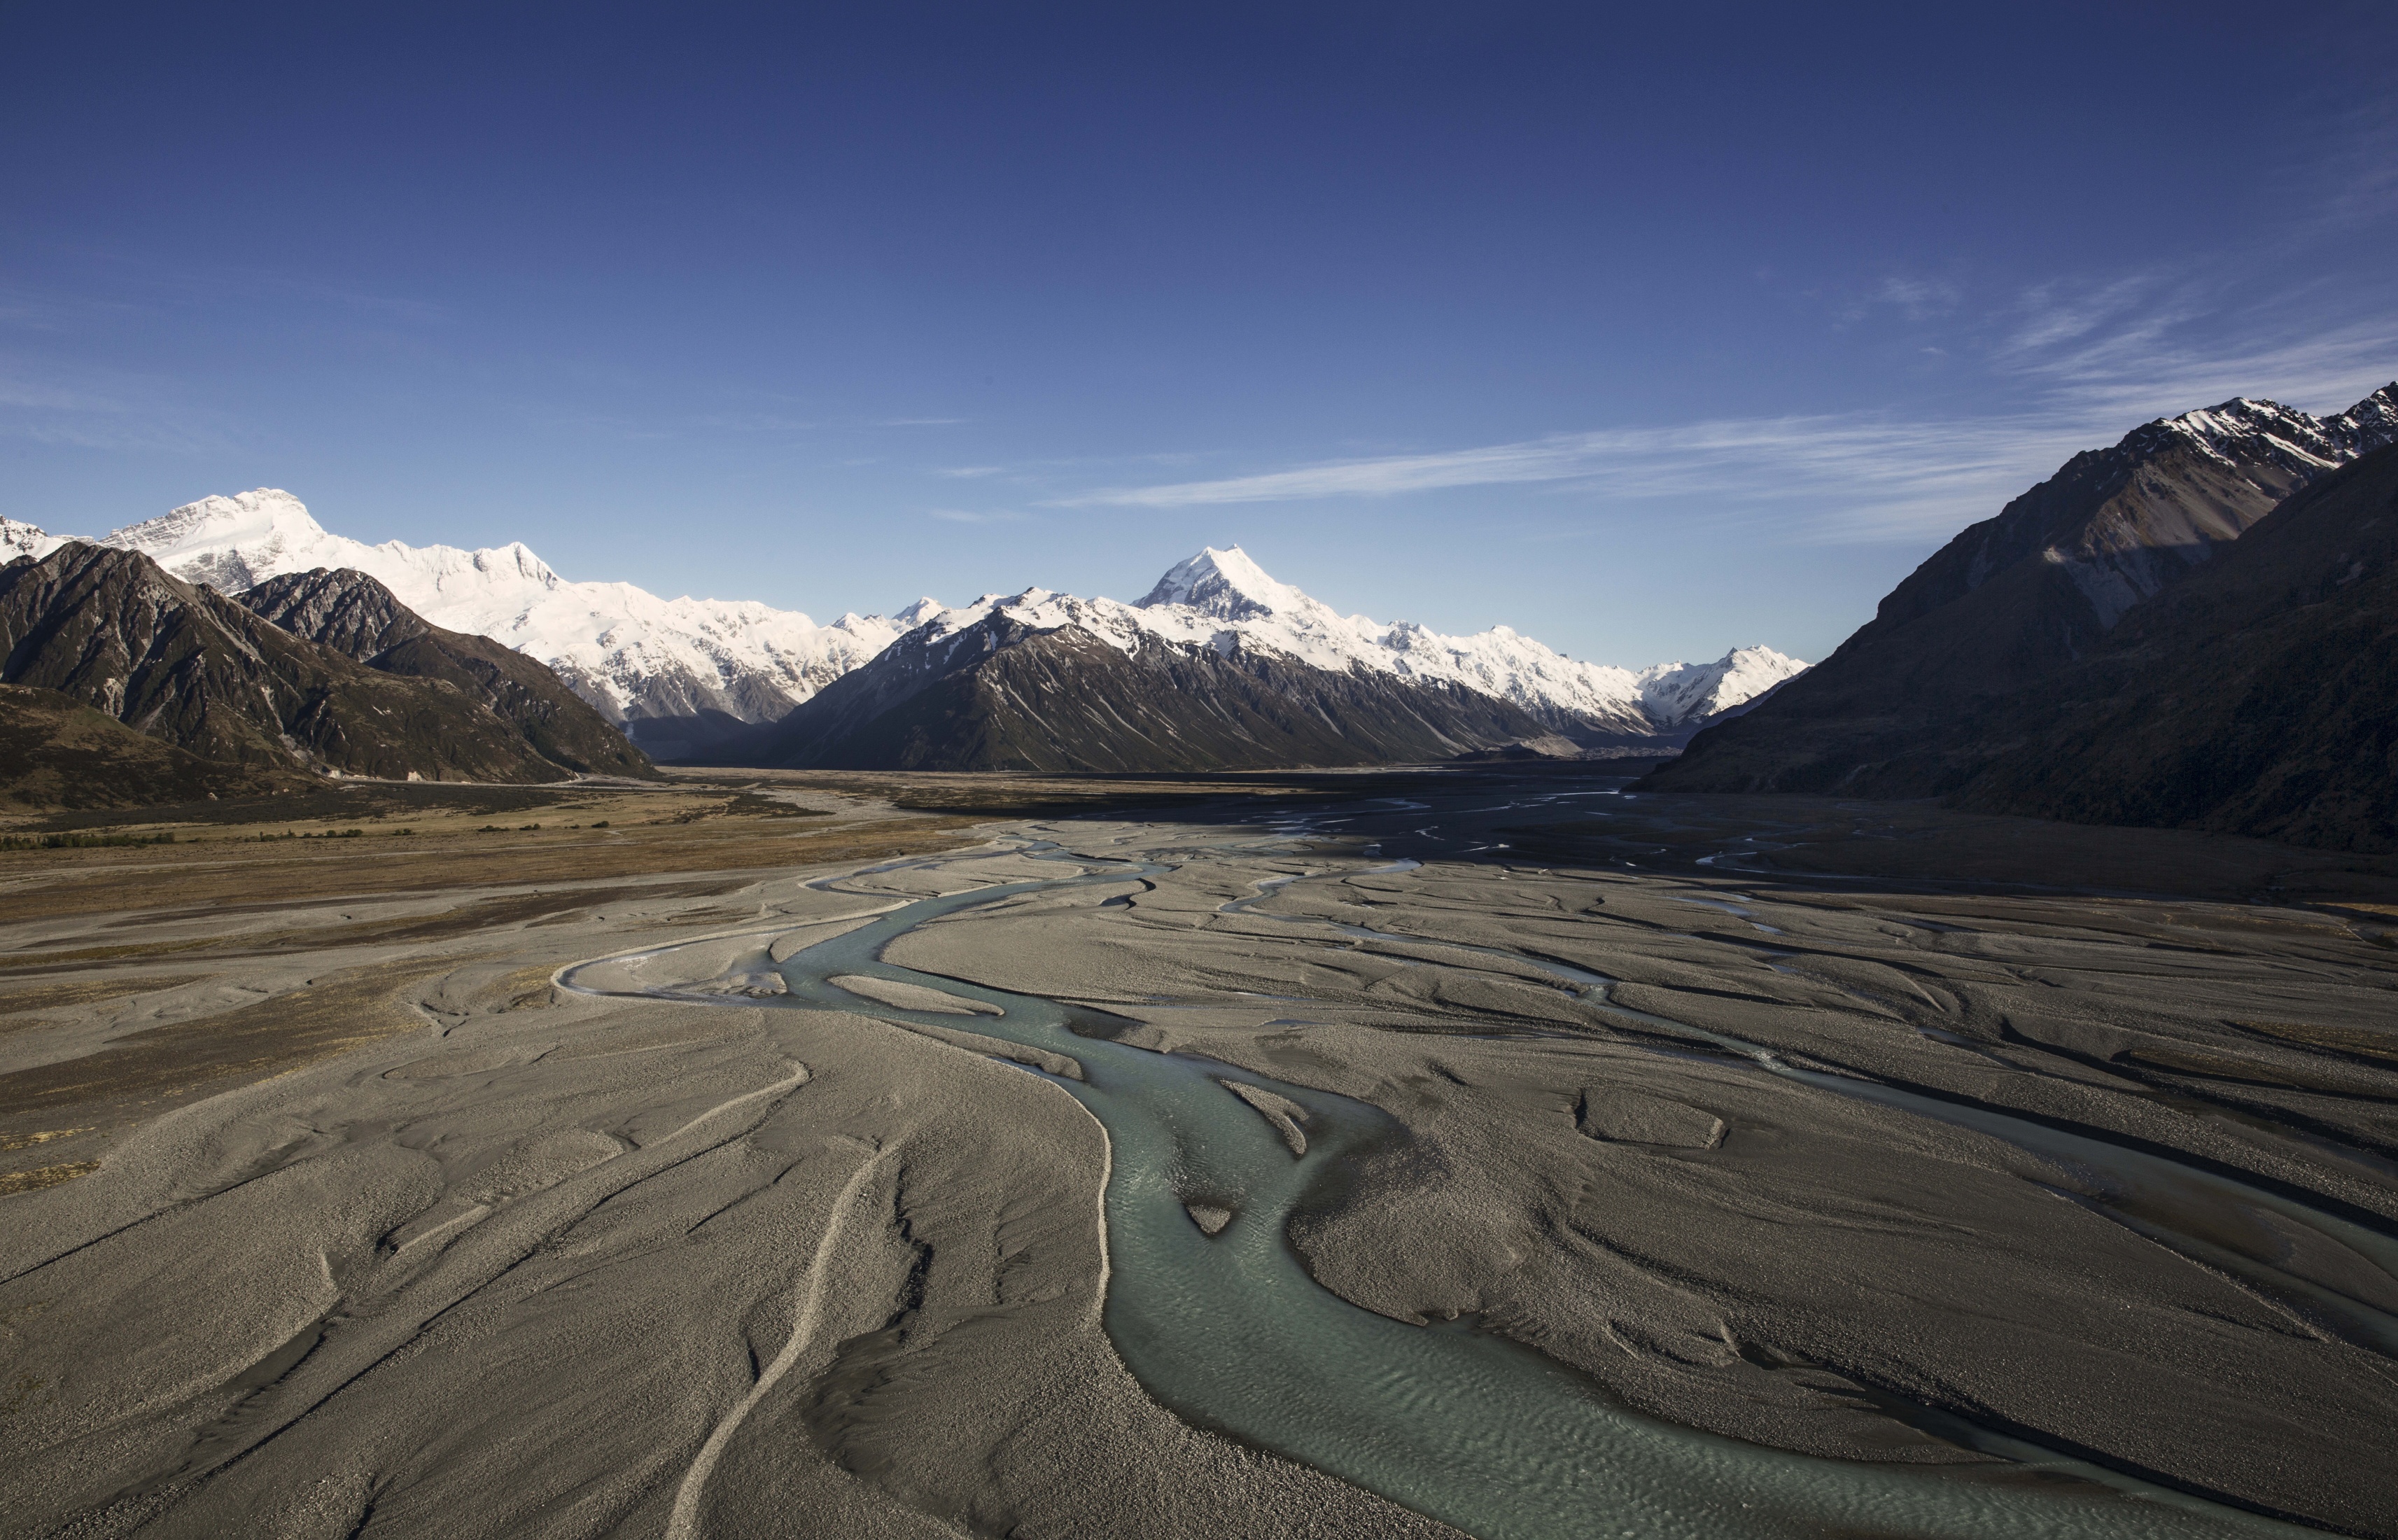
1678,693
1223,599
1218,668
21,539
678,674
673,672
1962,657
2231,465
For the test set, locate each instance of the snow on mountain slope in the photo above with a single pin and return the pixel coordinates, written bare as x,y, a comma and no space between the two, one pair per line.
1223,599
671,670
2201,479
2248,428
678,672
21,539
1679,693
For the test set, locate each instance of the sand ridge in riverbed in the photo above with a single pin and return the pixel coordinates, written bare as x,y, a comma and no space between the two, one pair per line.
489,1256
510,1275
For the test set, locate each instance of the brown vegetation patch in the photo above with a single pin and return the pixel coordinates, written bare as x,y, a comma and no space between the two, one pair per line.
11,1144
337,801
1004,794
488,914
2215,1066
46,1176
749,805
83,992
189,874
526,989
2356,1040
31,963
132,1076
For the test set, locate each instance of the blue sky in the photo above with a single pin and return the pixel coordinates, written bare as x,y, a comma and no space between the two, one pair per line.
1647,334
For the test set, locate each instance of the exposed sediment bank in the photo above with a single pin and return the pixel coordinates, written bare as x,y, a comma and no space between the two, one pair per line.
687,1259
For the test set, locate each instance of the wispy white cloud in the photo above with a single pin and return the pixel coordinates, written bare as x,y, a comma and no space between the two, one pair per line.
86,408
1887,476
2116,357
771,422
2358,173
2086,363
37,310
970,516
1914,296
45,396
754,422
2055,315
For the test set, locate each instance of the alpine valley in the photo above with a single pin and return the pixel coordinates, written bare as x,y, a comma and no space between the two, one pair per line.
1217,667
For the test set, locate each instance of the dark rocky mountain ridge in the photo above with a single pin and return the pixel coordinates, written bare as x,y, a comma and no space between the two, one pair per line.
192,669
355,615
2259,696
1000,695
2016,599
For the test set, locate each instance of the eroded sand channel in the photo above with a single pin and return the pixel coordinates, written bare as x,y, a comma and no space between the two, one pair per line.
1216,1312
1554,1201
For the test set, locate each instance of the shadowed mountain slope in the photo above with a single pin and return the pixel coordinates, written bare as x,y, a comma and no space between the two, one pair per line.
355,615
55,752
2014,600
2259,696
188,667
1002,695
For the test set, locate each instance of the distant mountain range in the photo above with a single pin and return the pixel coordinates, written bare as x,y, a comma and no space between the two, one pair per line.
676,672
2194,625
690,678
326,675
2191,627
1222,667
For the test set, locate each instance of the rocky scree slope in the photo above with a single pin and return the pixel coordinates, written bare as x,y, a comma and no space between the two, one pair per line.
190,667
2016,599
353,614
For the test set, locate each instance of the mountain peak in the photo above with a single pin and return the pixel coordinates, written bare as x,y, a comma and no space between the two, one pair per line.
1223,583
260,513
1677,693
228,543
18,539
2371,422
2249,426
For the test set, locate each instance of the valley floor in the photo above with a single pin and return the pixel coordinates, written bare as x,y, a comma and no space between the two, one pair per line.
861,1156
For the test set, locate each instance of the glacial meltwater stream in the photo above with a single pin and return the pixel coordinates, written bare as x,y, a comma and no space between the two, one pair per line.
1231,1332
